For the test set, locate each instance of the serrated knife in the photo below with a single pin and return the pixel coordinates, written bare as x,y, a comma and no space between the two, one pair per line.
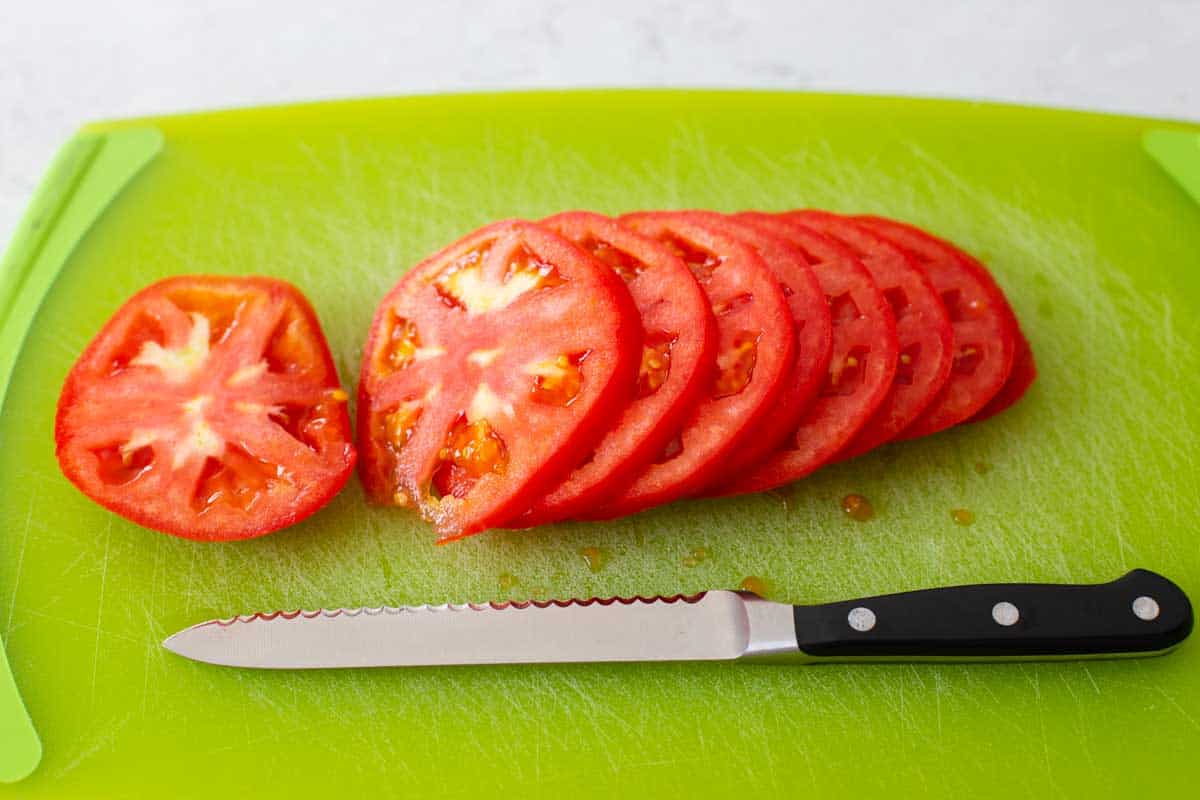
1140,614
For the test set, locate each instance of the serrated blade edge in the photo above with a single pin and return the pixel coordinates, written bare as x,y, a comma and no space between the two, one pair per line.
709,626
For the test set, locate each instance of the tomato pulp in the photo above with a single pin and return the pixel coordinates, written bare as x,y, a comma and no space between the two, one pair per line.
755,352
490,371
985,329
679,340
861,368
923,331
814,337
208,408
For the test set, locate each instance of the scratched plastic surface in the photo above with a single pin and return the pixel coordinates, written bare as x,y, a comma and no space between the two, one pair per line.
1093,474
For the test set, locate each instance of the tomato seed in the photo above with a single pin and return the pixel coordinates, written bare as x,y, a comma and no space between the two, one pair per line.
737,364
475,448
558,382
656,362
402,343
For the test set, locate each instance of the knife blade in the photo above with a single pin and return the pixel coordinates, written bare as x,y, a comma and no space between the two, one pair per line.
1140,614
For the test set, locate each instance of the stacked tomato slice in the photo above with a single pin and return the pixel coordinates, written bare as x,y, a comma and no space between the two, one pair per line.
587,367
583,367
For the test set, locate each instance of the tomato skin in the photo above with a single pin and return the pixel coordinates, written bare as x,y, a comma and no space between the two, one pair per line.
868,336
97,397
488,335
1023,374
923,330
673,307
985,327
747,300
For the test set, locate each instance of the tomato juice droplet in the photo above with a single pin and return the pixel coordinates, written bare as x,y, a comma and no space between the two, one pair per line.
962,516
507,581
754,585
594,557
983,467
857,507
694,558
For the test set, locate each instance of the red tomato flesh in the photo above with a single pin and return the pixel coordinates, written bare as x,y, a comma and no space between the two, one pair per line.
679,338
814,337
923,330
754,357
490,371
207,408
985,329
861,368
1023,373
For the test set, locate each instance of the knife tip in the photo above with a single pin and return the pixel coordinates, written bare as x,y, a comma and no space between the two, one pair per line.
174,643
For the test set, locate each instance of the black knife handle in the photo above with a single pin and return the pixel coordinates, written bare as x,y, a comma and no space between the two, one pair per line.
1140,613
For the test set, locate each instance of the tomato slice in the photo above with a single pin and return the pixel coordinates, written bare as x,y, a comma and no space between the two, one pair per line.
679,339
923,330
207,408
861,368
814,337
1023,373
984,326
490,371
755,351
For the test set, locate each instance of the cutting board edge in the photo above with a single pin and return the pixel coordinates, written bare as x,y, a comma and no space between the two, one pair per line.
88,172
645,94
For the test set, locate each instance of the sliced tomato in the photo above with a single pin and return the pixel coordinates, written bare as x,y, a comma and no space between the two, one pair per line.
207,408
1023,373
923,331
814,337
755,351
491,370
861,368
679,339
985,331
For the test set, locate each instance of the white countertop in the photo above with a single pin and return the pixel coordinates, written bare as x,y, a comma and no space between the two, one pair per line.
65,63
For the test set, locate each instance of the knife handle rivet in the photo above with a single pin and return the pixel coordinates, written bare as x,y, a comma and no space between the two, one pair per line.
1145,608
861,619
1005,613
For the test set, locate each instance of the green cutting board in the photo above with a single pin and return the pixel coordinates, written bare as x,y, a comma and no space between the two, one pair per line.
1094,473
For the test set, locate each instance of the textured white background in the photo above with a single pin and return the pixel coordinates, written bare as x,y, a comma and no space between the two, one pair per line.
64,63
